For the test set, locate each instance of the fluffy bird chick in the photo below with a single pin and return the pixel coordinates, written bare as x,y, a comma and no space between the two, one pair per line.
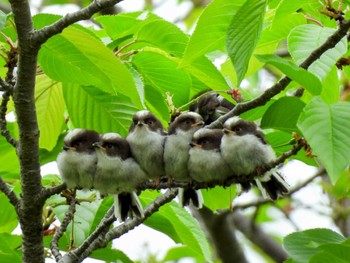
119,174
211,106
245,149
176,154
206,163
77,161
146,140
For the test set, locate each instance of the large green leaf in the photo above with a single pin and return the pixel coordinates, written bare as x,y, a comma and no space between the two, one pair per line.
327,130
9,168
8,219
163,74
306,79
83,218
279,30
50,109
335,253
164,35
306,38
9,252
283,114
302,245
218,197
76,56
243,35
110,255
90,108
179,225
210,32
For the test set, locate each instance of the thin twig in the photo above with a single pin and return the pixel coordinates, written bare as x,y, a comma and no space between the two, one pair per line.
3,123
48,192
10,194
103,238
62,229
260,202
240,108
42,35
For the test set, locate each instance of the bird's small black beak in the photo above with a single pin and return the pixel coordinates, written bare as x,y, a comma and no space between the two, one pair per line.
227,131
192,144
140,123
67,148
198,124
96,145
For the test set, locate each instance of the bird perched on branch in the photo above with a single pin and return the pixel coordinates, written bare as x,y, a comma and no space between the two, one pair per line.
119,174
176,154
206,163
77,162
245,149
211,106
146,139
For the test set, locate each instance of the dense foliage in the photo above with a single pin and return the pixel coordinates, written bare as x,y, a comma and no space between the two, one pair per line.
98,76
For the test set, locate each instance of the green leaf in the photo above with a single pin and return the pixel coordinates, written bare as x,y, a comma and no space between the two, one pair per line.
91,108
335,253
9,248
2,20
205,71
77,56
83,218
283,114
164,35
280,29
210,32
50,156
304,39
50,110
243,35
9,168
163,74
178,253
110,255
327,131
331,87
218,197
8,219
303,245
306,79
179,225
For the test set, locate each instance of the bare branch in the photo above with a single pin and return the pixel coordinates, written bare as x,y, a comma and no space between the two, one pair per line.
3,123
283,83
291,192
47,192
10,194
42,35
60,231
99,238
257,236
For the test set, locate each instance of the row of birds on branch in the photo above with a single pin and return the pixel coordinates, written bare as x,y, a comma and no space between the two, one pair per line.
115,165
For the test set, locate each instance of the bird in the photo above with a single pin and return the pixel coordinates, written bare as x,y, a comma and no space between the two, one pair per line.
146,138
206,163
117,173
245,149
176,154
211,106
77,161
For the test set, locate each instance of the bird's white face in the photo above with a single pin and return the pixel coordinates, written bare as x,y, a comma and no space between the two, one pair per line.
145,120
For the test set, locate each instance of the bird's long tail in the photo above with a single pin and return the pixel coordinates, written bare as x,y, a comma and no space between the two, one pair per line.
272,185
127,204
190,195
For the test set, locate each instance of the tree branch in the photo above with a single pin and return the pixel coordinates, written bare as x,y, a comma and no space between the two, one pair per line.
258,237
47,192
99,238
283,83
3,123
42,35
62,229
220,231
10,194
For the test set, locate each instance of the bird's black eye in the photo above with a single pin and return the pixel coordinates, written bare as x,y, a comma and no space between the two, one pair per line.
134,122
149,122
204,141
109,146
188,121
237,129
76,144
